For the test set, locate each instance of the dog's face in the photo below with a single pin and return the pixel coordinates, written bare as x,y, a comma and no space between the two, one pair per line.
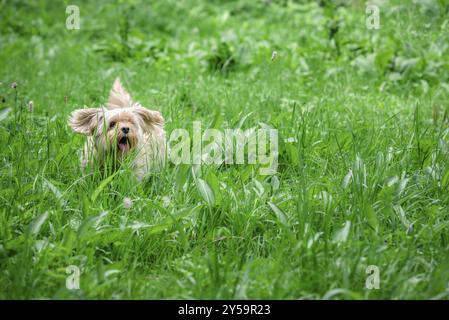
119,128
123,130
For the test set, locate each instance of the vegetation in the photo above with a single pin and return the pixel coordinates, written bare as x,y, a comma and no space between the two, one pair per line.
363,174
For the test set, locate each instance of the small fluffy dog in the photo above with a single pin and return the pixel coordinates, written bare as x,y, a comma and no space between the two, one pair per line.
121,129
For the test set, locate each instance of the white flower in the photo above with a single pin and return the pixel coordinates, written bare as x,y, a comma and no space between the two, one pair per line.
30,106
127,203
274,55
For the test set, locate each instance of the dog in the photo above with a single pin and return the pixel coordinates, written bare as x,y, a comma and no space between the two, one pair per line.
122,129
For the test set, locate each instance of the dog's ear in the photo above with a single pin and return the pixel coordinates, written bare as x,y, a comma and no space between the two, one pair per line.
119,97
85,121
149,118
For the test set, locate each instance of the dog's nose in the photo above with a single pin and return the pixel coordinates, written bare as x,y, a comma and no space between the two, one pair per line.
125,129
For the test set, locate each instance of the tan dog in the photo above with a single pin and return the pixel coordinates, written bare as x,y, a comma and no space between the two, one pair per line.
123,128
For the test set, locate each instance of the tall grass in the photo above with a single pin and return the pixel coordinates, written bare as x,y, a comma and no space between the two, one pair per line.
363,170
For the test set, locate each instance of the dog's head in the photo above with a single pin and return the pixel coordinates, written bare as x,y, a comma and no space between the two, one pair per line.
118,128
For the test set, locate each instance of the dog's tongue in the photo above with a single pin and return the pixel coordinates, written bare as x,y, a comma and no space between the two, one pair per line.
123,145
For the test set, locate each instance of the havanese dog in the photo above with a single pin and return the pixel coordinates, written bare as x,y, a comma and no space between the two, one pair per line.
121,130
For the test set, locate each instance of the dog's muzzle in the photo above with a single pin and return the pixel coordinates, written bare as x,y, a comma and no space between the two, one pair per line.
123,144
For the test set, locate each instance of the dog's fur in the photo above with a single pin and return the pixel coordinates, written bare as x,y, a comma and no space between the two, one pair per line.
106,127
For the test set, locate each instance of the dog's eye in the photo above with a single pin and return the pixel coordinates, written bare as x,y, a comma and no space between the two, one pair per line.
112,124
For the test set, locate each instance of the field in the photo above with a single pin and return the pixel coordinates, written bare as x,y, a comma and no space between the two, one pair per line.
363,146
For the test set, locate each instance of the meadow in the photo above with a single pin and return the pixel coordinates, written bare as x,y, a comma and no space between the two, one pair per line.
362,177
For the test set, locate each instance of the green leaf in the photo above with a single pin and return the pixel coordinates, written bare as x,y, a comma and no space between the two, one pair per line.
159,228
383,58
371,218
218,119
445,180
36,224
90,223
403,64
347,179
4,113
68,239
184,212
341,292
293,153
102,185
181,176
55,191
213,182
205,191
342,234
403,217
282,217
246,173
242,120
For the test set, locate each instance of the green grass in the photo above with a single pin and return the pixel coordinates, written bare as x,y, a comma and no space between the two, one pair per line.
363,143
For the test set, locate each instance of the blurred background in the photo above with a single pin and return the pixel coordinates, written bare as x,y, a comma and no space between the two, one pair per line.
153,41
